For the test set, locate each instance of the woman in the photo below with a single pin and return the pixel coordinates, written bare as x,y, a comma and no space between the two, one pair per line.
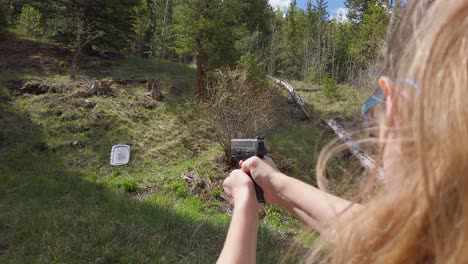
421,214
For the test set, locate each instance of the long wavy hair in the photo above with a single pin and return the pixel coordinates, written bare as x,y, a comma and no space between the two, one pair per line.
421,214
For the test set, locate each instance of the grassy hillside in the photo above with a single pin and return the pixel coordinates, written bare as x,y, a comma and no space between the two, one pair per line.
61,201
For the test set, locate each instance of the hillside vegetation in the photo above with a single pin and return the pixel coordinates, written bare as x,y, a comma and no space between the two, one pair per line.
61,201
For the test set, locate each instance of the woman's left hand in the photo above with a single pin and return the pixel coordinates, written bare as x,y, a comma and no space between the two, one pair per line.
239,187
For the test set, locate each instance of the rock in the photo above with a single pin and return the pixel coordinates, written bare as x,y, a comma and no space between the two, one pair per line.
194,180
88,104
76,144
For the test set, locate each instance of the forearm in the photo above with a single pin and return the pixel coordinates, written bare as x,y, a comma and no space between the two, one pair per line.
241,241
311,205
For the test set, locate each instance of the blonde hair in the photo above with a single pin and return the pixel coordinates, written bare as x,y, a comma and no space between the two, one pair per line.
421,215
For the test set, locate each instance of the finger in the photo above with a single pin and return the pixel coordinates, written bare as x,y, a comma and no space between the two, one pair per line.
235,172
250,163
240,163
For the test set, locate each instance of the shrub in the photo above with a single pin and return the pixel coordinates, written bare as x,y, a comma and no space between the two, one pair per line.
254,67
180,188
29,21
237,107
3,19
216,193
329,87
128,185
63,67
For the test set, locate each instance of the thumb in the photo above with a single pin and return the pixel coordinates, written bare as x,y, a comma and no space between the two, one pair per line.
250,163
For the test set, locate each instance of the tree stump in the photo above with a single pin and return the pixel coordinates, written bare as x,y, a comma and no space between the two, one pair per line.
154,87
97,88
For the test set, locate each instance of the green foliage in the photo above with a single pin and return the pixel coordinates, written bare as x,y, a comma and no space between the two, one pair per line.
370,20
63,67
216,193
299,44
90,205
293,35
238,107
208,30
142,27
128,185
29,22
273,215
254,67
110,24
4,18
329,87
180,188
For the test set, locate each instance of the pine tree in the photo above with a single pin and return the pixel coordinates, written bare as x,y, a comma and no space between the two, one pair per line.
315,41
292,55
4,18
370,20
114,20
274,49
142,27
208,30
29,21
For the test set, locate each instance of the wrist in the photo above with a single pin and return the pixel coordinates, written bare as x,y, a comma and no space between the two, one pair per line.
247,209
246,200
275,184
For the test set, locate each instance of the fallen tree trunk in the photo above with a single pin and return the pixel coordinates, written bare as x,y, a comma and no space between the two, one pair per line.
294,95
130,81
37,88
365,160
309,90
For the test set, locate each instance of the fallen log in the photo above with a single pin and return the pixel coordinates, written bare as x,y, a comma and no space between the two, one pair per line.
365,160
37,88
130,81
309,89
294,95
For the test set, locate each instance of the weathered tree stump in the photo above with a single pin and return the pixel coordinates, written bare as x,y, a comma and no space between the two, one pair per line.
99,88
154,88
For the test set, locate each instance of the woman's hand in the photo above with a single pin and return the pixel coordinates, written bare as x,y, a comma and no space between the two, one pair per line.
263,172
239,187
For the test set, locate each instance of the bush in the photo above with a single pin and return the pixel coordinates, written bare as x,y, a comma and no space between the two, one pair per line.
180,188
237,107
3,19
128,185
29,22
254,67
63,67
329,87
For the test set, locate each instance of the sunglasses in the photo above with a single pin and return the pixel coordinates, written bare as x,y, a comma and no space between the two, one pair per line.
379,96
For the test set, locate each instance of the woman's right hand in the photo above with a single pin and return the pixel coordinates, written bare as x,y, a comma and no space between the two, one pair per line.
263,172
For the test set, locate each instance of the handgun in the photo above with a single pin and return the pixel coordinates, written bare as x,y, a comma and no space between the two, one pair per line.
242,149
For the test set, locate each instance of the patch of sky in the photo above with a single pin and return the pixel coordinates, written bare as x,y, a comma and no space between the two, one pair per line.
336,8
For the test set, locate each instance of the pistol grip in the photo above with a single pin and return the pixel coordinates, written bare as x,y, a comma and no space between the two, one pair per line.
259,193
